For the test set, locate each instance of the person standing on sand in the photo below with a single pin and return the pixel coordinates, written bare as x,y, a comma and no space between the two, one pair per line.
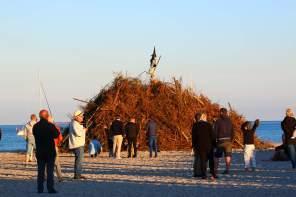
57,142
77,134
203,141
117,132
110,140
289,128
224,132
151,129
249,144
45,133
29,137
132,131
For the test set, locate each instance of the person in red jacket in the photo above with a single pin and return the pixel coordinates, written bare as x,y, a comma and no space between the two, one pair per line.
57,142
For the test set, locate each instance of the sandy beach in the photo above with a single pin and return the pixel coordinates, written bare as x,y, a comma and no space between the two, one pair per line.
168,175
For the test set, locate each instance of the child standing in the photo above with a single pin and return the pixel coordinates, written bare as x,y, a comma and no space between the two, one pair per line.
249,145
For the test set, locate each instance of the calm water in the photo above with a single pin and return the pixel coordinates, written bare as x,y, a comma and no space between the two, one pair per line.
10,141
268,130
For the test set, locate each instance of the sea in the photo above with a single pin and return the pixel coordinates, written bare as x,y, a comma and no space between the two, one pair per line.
268,130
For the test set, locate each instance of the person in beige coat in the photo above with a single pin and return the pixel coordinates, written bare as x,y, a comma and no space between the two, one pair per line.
77,141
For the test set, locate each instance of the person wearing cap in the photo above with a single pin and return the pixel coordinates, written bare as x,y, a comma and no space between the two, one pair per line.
45,133
77,141
117,131
289,128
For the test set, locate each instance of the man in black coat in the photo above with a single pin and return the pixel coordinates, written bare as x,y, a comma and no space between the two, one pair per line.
203,141
132,131
289,128
45,133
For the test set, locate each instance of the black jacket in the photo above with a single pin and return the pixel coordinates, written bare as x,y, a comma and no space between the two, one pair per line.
203,137
224,129
131,130
45,133
249,134
289,126
117,128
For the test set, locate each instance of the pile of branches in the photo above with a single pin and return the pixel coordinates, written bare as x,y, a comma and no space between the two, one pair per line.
172,106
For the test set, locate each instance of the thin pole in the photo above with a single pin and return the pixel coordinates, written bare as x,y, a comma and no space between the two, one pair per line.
44,94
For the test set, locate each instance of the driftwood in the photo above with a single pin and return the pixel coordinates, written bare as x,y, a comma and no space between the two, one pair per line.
172,106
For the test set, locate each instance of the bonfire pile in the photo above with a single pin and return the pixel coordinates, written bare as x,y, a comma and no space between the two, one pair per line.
172,106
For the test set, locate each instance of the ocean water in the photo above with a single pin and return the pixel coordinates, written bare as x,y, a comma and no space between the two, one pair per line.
268,130
11,141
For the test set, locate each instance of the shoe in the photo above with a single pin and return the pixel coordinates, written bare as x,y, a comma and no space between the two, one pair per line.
254,169
60,180
204,177
82,177
53,191
214,176
226,172
40,191
246,169
135,156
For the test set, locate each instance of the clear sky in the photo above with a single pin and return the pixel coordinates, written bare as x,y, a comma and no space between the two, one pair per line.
242,52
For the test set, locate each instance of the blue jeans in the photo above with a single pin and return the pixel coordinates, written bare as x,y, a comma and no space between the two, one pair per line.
153,145
79,154
292,154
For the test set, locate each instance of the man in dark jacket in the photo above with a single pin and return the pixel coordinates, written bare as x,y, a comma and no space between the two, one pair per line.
151,129
289,128
45,133
117,132
203,141
132,131
224,132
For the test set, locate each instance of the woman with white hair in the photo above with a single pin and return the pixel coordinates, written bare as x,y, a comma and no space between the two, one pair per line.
289,128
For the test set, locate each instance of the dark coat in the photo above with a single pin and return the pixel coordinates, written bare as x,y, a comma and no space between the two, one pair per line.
203,138
117,128
249,133
224,129
45,133
289,126
131,130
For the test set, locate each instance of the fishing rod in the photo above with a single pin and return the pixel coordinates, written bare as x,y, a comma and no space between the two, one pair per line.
45,96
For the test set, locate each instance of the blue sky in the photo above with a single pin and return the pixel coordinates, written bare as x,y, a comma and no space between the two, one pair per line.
242,52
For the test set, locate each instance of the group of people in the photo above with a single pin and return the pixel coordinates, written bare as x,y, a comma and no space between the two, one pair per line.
118,131
210,142
43,138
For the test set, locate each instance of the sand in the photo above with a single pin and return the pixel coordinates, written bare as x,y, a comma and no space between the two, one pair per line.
168,175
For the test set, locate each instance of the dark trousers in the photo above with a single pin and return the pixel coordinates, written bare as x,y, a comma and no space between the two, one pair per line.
48,163
110,147
292,154
132,142
204,157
